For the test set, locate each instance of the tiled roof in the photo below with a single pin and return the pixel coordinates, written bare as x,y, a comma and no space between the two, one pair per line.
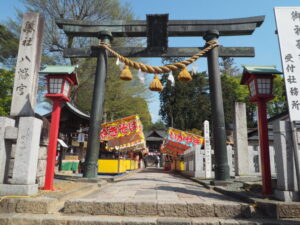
261,69
55,69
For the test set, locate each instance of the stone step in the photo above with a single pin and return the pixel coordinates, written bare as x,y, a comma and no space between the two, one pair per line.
43,204
160,208
58,219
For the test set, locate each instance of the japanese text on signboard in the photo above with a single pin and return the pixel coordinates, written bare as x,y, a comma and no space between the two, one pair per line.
23,70
120,128
288,25
184,138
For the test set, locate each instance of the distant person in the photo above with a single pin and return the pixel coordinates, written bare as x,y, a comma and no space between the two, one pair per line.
145,161
156,161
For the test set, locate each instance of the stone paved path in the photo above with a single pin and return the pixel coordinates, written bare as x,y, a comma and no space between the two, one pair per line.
155,184
150,197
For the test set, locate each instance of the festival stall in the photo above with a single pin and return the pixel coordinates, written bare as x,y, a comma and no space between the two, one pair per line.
175,144
125,138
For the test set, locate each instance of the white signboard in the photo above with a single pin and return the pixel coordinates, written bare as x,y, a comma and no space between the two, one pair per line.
28,66
207,149
62,143
80,137
288,27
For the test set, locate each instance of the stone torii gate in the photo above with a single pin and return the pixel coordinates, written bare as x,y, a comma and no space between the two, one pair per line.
157,28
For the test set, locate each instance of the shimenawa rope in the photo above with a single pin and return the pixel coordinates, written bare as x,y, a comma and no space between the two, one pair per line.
160,69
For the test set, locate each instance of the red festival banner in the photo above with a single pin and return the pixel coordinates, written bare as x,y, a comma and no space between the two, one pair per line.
178,141
184,138
120,128
123,133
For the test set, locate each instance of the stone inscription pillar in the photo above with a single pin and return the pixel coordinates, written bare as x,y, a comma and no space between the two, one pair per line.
27,135
286,189
241,140
207,148
28,66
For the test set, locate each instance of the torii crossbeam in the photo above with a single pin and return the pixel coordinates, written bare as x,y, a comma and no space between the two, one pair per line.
157,29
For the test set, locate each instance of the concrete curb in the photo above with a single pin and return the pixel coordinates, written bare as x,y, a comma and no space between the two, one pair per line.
130,173
206,185
234,194
75,192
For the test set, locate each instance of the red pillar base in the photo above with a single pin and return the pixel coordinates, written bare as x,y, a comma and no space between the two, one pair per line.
264,148
51,159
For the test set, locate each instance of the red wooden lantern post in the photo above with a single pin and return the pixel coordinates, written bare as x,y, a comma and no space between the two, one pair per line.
260,83
60,79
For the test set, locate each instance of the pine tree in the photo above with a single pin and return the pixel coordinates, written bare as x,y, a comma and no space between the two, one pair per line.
6,85
186,105
8,46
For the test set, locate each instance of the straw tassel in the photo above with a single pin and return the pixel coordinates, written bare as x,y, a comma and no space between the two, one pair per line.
126,74
184,75
156,84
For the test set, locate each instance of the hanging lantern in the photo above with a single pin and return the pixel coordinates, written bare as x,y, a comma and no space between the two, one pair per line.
184,75
156,84
126,74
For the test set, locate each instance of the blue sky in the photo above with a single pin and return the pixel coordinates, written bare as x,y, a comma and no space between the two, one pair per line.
7,9
263,39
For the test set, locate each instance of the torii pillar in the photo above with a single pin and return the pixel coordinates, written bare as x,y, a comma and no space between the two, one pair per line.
219,132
